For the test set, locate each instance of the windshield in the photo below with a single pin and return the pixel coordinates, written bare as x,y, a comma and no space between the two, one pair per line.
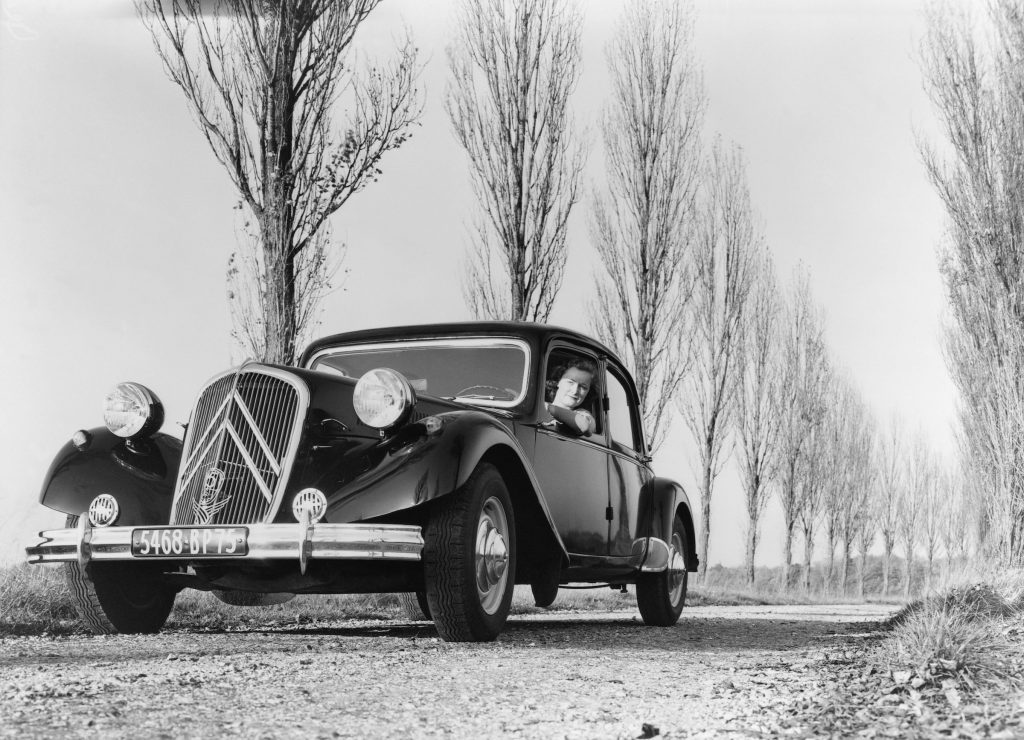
488,372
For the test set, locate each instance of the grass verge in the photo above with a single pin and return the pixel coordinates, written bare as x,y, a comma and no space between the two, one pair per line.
951,665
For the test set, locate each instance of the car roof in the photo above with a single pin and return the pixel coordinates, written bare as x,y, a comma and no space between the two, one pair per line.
535,333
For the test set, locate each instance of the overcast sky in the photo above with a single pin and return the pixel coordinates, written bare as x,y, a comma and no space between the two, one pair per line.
116,222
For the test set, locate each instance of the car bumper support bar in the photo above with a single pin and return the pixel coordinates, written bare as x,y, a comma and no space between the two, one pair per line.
301,542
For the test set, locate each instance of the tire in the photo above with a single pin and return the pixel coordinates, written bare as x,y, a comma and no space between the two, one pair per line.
469,559
114,598
661,596
415,606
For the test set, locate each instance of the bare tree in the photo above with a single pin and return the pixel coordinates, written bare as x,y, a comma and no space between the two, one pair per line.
917,473
724,251
513,67
643,223
890,482
812,480
934,498
758,380
957,520
839,429
261,81
976,83
857,514
800,408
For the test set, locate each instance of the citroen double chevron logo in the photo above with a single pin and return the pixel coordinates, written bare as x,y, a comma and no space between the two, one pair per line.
210,503
222,431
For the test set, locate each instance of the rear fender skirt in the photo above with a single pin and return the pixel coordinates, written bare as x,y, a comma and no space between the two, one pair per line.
140,475
660,500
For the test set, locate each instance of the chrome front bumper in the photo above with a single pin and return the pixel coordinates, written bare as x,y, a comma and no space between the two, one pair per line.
300,542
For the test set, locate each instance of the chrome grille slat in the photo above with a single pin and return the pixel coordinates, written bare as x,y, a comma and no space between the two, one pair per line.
247,425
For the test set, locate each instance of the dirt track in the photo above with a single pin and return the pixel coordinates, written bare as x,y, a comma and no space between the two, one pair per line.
722,671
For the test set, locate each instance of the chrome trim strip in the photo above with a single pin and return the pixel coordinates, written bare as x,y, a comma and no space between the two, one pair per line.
442,342
266,542
256,432
253,467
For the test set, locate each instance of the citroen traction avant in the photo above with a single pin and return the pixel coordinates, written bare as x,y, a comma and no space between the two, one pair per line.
416,460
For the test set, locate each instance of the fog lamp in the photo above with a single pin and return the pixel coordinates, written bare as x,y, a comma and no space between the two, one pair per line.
132,410
103,511
383,397
311,500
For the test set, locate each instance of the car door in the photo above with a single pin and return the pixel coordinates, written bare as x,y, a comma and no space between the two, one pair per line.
572,469
628,470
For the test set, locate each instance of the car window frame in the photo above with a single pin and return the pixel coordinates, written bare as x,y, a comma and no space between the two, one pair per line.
462,341
599,438
619,372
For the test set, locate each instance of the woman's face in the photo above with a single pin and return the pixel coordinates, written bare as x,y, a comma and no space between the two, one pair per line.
573,388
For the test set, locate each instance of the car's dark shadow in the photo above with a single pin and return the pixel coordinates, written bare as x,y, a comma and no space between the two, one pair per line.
600,635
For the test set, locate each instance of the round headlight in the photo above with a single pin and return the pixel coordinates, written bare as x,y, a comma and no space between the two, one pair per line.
383,397
103,510
131,410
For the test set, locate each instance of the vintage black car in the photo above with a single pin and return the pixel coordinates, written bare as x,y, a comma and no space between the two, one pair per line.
425,460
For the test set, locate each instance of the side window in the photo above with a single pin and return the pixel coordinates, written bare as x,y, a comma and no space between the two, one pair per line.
621,415
578,374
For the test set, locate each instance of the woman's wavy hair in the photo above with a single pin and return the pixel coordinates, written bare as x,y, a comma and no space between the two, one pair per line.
581,363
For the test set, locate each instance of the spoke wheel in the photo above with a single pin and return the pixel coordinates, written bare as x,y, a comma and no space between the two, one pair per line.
661,596
469,558
114,598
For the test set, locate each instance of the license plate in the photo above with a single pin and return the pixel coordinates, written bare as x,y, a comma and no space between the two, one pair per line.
206,542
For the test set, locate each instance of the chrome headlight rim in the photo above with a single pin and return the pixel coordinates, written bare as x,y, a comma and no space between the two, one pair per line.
131,410
383,398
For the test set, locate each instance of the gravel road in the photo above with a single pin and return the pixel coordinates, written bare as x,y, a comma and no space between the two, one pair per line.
722,671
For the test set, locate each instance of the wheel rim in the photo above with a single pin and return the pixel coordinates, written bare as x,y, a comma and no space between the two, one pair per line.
676,570
492,536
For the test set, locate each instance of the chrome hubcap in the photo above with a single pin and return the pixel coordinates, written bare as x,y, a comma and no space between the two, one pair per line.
491,555
676,570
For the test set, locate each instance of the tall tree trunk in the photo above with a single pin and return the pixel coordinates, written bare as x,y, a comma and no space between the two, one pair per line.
886,562
908,574
705,517
808,555
276,155
787,554
751,551
863,571
846,566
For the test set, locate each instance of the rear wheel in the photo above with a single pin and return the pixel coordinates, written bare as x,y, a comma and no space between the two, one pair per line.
119,597
545,591
661,596
469,559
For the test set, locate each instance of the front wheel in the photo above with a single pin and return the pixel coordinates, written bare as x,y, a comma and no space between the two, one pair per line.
116,598
414,606
661,596
469,559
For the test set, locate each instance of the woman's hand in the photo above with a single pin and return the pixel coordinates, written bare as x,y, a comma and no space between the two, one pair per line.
578,420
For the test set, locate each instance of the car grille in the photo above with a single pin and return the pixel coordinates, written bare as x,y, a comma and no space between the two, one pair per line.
239,448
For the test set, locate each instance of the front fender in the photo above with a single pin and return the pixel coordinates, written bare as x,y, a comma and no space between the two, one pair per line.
660,500
141,476
434,465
